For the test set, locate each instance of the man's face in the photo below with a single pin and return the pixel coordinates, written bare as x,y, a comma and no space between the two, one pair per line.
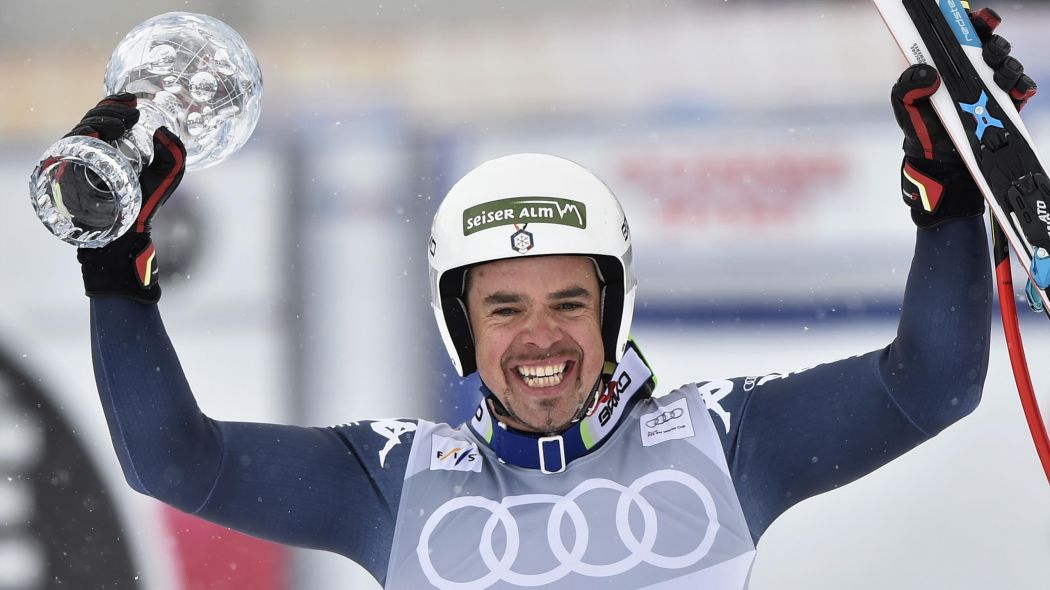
537,336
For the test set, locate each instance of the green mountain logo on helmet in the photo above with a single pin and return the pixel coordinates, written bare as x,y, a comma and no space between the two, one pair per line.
521,210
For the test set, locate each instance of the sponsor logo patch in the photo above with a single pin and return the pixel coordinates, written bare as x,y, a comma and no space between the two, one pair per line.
391,430
522,241
452,454
667,423
523,210
955,13
712,393
606,403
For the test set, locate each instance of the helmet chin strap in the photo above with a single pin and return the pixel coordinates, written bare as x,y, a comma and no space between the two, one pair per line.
582,410
588,404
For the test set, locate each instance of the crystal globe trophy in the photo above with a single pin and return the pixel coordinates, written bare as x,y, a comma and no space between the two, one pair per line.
192,74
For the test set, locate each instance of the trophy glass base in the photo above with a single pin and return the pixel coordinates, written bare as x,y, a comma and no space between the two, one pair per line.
85,192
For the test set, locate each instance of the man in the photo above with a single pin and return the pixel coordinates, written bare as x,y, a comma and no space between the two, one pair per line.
570,473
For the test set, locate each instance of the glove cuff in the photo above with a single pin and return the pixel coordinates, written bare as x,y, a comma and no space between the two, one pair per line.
125,268
938,191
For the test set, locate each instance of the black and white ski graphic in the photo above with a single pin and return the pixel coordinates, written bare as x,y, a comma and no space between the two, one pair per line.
984,125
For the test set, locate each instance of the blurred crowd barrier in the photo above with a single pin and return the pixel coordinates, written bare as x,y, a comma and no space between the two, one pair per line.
757,158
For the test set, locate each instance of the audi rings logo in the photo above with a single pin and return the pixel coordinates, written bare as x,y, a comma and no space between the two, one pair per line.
569,559
665,417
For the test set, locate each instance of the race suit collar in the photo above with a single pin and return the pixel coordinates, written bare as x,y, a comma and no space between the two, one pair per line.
631,380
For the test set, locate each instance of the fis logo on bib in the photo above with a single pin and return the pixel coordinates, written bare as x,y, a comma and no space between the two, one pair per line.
451,454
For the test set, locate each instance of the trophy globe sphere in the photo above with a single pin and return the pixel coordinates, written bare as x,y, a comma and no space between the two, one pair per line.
190,73
197,76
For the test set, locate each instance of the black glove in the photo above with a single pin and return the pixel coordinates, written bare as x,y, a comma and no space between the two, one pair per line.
127,267
934,180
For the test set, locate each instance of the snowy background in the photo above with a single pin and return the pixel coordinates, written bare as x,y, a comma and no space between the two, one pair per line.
755,152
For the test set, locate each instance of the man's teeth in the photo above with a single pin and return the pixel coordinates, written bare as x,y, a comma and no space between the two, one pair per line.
542,375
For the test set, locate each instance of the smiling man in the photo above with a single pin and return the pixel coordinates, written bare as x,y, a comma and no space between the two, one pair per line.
571,473
536,324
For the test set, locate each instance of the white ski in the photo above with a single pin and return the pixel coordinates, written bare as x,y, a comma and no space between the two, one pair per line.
939,33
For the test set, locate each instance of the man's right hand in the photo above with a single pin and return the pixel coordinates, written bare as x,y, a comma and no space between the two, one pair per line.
127,266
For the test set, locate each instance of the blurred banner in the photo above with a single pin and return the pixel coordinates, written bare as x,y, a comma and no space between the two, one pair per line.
742,216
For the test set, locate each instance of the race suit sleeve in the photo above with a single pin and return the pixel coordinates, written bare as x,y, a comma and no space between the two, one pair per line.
333,488
790,437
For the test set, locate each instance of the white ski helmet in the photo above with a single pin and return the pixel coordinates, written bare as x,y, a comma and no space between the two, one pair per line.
528,205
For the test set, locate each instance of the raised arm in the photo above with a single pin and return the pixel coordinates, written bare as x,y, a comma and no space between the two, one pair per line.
328,488
789,437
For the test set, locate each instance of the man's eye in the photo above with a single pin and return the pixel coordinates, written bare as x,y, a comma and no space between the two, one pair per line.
504,311
570,305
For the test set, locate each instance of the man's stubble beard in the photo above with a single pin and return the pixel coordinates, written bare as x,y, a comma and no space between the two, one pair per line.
549,427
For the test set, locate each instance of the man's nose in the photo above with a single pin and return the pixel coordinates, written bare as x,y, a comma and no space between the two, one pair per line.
542,330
